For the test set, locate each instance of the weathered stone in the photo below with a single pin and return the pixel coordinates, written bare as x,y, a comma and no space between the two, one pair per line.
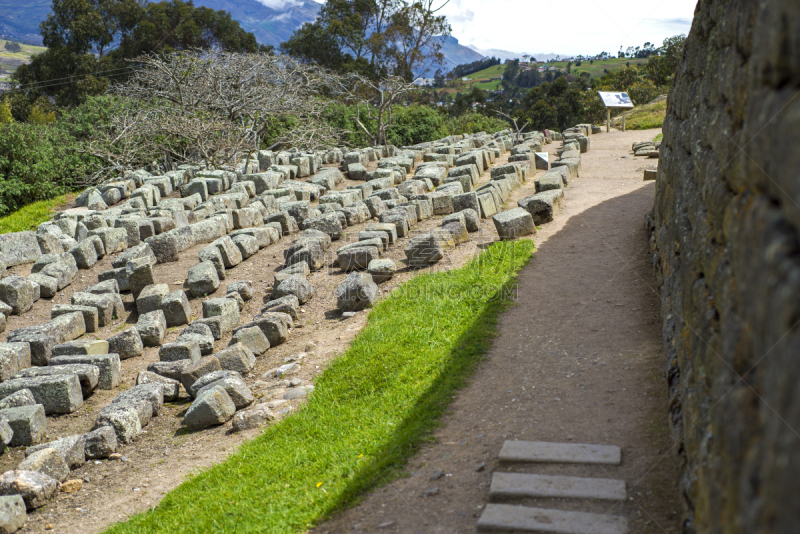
194,371
152,327
203,279
358,291
255,417
120,276
19,248
458,231
296,285
226,309
104,303
170,370
288,304
140,274
543,206
70,448
202,334
84,253
428,249
42,338
180,350
36,489
234,386
12,513
381,270
127,344
88,375
146,399
248,245
18,293
244,288
108,364
150,297
123,418
114,239
13,357
514,223
80,347
213,407
57,393
23,397
275,326
28,424
48,462
170,388
108,286
253,338
237,357
100,443
358,257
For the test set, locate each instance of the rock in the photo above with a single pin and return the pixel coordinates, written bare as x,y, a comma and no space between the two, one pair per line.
190,374
81,347
236,357
140,274
57,393
123,418
127,344
18,293
357,257
88,375
28,424
12,513
44,336
170,388
100,443
70,448
108,364
19,248
231,255
296,285
298,392
203,279
650,174
244,288
274,325
150,297
358,291
381,270
226,309
171,370
23,397
13,357
288,304
428,249
234,386
212,407
152,327
255,417
248,245
6,433
105,304
146,399
84,253
543,206
71,486
36,489
48,286
48,462
200,333
180,350
514,223
253,338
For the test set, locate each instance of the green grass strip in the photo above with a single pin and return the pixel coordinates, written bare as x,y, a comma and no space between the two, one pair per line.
370,411
31,216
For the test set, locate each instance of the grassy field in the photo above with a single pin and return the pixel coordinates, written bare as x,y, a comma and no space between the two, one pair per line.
31,216
369,413
483,79
10,61
644,117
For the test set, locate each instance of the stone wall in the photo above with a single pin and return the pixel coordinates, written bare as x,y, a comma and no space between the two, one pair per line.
726,248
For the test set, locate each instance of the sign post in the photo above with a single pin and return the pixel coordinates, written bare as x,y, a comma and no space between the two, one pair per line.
615,100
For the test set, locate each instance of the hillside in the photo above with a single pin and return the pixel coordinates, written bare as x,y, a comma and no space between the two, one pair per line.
10,61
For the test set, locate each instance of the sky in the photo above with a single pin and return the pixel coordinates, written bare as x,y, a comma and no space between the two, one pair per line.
571,27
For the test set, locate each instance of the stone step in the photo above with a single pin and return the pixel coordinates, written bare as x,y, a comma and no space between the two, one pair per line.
545,452
509,518
523,485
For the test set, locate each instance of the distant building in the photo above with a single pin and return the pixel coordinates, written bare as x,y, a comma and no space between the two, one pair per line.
422,82
464,79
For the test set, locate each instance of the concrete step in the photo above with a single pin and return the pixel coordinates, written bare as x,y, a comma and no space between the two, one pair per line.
523,485
541,451
509,518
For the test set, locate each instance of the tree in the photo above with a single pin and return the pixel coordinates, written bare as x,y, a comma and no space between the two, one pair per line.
373,38
12,47
214,108
5,112
379,98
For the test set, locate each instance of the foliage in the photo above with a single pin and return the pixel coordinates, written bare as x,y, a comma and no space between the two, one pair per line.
369,412
373,38
5,112
89,42
38,161
466,69
31,216
12,47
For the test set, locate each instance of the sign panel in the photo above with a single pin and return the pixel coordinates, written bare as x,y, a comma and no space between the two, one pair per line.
616,100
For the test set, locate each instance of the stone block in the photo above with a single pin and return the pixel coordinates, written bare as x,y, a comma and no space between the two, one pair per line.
237,357
105,304
19,248
119,275
252,338
514,223
23,397
88,375
57,393
18,293
224,308
28,424
140,274
152,328
84,253
13,357
47,462
358,291
213,407
203,279
100,443
114,239
202,334
180,350
127,344
81,347
247,245
12,513
35,488
150,298
123,418
176,308
170,388
193,372
288,304
296,285
487,204
43,337
243,287
108,364
274,325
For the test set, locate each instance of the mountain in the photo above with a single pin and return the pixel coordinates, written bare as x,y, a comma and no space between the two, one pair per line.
455,54
505,54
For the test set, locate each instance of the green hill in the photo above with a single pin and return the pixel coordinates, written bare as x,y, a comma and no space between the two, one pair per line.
10,61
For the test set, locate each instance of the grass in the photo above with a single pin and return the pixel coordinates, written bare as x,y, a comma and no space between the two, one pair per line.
658,138
644,117
31,216
9,61
370,411
597,68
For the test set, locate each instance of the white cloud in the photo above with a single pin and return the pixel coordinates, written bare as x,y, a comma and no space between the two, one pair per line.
280,5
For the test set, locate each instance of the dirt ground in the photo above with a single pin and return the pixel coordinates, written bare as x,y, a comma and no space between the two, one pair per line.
166,453
578,359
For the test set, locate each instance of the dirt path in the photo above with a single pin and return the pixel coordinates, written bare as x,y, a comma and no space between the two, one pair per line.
579,359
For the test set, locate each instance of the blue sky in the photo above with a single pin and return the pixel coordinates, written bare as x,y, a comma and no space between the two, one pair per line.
566,27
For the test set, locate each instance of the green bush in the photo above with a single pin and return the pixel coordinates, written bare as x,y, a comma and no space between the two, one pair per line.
472,122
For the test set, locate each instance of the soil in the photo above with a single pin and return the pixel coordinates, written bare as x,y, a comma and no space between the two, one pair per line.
579,359
166,453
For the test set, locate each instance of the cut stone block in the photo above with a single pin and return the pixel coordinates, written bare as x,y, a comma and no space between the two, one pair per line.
506,518
13,357
190,374
203,279
57,393
247,245
253,338
48,286
114,239
105,304
100,443
288,304
226,309
150,297
381,270
17,292
389,229
546,452
244,288
506,485
252,418
146,399
84,253
91,317
202,334
23,397
176,308
107,363
35,488
170,388
234,386
127,344
19,248
543,206
514,223
70,448
213,407
180,350
274,325
140,275
12,513
152,328
48,462
28,423
296,285
358,291
428,249
123,418
88,375
171,370
358,257
231,255
81,347
236,357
